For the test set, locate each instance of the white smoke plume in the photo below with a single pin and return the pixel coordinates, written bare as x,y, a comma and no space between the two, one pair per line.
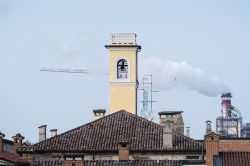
168,74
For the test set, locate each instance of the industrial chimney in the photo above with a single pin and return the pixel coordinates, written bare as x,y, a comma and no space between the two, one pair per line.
225,104
230,122
42,132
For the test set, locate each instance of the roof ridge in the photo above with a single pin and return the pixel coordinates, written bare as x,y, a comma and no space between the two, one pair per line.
142,118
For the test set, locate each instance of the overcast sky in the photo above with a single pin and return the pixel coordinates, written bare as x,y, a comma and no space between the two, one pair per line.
209,37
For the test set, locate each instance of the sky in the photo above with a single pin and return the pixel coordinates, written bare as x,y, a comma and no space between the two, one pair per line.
208,37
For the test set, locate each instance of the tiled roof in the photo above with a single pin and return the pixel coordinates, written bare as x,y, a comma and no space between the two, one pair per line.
235,158
14,159
184,143
112,163
132,163
27,149
104,135
49,163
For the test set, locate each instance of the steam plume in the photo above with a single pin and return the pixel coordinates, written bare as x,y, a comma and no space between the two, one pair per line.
168,74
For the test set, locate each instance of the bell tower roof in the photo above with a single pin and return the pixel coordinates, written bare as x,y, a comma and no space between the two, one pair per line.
123,40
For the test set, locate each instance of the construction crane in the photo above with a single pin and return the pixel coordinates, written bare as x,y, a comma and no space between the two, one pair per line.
82,71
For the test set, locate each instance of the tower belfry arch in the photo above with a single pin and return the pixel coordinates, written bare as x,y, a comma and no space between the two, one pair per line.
123,72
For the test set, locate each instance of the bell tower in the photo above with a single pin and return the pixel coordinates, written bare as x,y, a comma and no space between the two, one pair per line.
123,72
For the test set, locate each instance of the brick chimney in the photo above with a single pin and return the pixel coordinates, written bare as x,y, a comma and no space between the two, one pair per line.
175,117
18,140
167,134
42,132
53,132
123,149
1,142
208,127
212,147
99,113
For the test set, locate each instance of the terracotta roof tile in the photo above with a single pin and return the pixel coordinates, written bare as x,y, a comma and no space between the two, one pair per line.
49,163
12,158
235,158
112,163
132,163
104,135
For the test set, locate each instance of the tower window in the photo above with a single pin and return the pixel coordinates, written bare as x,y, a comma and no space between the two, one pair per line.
122,69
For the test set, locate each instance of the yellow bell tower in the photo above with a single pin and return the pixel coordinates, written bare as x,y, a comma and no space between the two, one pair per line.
123,72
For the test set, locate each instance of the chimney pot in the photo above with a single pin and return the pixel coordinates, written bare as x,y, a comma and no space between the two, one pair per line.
42,132
208,127
99,113
53,132
18,140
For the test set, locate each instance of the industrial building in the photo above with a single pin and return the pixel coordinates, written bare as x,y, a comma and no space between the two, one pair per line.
246,130
230,124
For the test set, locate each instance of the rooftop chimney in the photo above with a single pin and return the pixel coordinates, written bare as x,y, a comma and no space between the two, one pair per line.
208,127
175,117
168,134
123,149
53,132
18,140
188,131
225,104
212,147
99,113
1,142
42,133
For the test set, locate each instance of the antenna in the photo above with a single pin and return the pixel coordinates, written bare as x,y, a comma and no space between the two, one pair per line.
188,131
147,79
144,111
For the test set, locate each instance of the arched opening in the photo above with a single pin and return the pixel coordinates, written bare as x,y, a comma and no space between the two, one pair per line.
122,69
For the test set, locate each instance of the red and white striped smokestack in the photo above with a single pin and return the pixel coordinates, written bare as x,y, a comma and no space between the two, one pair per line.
225,103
